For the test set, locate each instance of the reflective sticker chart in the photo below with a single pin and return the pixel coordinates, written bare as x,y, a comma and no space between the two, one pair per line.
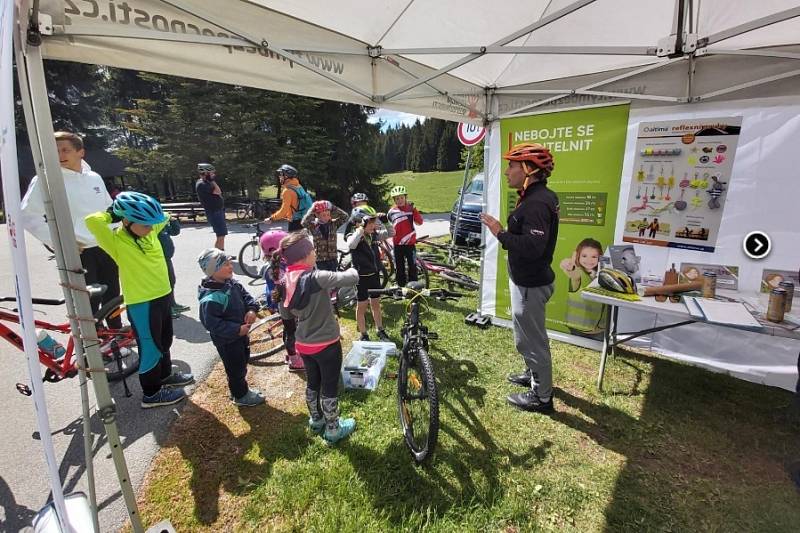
681,177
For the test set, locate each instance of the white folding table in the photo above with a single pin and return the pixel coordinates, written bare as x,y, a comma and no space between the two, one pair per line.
790,328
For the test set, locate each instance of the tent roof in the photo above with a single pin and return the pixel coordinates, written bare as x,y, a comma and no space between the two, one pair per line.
468,60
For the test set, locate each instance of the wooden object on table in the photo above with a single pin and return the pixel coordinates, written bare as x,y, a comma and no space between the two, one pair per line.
673,288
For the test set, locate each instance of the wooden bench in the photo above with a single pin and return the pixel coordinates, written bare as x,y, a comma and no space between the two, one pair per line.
189,210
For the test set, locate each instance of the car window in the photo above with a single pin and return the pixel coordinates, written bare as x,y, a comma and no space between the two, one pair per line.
476,187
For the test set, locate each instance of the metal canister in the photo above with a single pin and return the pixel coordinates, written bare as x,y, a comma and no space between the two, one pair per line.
777,304
709,284
788,286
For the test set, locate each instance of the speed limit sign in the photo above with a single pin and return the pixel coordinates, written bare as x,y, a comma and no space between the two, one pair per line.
470,134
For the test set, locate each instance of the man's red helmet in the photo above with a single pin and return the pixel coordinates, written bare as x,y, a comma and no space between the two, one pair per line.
535,157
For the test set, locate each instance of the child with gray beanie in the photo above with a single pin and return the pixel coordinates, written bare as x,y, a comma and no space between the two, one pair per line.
305,294
227,311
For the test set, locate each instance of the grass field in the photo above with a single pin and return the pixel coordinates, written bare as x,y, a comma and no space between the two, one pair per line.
667,447
431,192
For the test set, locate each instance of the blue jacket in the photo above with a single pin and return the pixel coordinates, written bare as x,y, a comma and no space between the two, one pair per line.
165,237
222,308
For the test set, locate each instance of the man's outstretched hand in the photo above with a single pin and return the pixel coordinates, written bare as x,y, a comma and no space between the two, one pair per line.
491,223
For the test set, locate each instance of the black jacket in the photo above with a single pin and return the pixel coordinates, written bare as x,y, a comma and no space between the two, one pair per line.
531,235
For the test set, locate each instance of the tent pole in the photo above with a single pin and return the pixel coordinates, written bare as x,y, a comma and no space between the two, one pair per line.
750,26
30,66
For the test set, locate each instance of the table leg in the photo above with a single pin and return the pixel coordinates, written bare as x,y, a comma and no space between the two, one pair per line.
614,324
606,346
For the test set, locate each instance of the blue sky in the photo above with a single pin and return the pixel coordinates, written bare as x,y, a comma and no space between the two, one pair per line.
393,118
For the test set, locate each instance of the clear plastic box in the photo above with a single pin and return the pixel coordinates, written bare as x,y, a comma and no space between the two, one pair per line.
364,364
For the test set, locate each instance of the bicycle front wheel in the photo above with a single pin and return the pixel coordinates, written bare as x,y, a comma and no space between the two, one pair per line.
418,404
250,259
266,337
242,213
125,360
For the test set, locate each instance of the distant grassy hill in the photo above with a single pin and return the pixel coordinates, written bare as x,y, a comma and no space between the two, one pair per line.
431,192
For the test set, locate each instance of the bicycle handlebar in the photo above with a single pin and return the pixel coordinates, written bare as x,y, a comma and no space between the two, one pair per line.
40,301
410,292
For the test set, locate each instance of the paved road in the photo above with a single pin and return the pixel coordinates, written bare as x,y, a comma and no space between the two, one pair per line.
24,486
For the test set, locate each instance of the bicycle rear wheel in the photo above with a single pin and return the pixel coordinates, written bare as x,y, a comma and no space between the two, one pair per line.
126,361
418,404
462,280
242,213
250,259
266,337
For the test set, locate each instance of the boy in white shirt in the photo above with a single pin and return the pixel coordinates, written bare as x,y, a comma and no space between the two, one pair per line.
86,194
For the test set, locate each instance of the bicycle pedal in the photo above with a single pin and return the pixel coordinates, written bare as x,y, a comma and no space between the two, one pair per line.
476,319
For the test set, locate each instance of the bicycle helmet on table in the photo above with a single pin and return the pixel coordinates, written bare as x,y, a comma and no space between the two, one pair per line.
358,197
535,158
138,208
271,240
398,190
616,281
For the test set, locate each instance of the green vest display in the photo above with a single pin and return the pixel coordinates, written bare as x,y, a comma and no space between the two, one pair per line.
584,315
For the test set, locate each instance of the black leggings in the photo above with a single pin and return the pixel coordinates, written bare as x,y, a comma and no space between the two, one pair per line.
405,254
322,370
100,268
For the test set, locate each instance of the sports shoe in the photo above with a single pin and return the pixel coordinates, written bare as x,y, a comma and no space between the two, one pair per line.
174,314
382,336
180,308
343,430
523,379
364,337
178,379
529,401
165,396
317,426
296,363
49,345
251,398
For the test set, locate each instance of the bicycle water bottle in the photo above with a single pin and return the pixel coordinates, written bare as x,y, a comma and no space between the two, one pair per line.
49,345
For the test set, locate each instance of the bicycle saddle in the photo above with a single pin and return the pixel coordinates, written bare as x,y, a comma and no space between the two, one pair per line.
415,285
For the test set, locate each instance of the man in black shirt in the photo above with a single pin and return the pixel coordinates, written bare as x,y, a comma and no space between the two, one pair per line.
530,239
210,195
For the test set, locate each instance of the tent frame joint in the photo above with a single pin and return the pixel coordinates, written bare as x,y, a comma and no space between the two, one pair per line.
375,51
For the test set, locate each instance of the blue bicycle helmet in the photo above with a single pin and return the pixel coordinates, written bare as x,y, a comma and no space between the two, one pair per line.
139,208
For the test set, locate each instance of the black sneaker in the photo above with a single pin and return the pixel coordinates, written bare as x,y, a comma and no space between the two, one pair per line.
364,337
529,401
523,379
383,337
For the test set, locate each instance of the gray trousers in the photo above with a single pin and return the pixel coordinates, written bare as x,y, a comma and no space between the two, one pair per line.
530,334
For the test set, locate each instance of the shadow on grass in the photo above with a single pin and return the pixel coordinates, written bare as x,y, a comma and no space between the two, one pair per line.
706,451
218,458
467,465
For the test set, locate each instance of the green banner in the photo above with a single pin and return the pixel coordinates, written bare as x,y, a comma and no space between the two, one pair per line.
588,147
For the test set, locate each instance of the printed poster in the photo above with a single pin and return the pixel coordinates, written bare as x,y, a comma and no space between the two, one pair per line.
588,146
681,177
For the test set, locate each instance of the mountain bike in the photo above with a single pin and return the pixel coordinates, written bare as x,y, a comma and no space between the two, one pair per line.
250,256
117,346
417,399
450,276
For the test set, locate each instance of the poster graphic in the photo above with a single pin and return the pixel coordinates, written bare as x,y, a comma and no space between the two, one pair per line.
771,279
727,275
588,146
681,175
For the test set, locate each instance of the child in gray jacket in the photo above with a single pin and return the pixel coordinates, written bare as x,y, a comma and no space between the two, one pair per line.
305,295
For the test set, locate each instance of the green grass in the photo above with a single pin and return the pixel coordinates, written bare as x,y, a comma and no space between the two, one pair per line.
667,447
431,192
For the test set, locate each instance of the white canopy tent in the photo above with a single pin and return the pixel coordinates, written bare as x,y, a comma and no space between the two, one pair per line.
464,61
468,61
